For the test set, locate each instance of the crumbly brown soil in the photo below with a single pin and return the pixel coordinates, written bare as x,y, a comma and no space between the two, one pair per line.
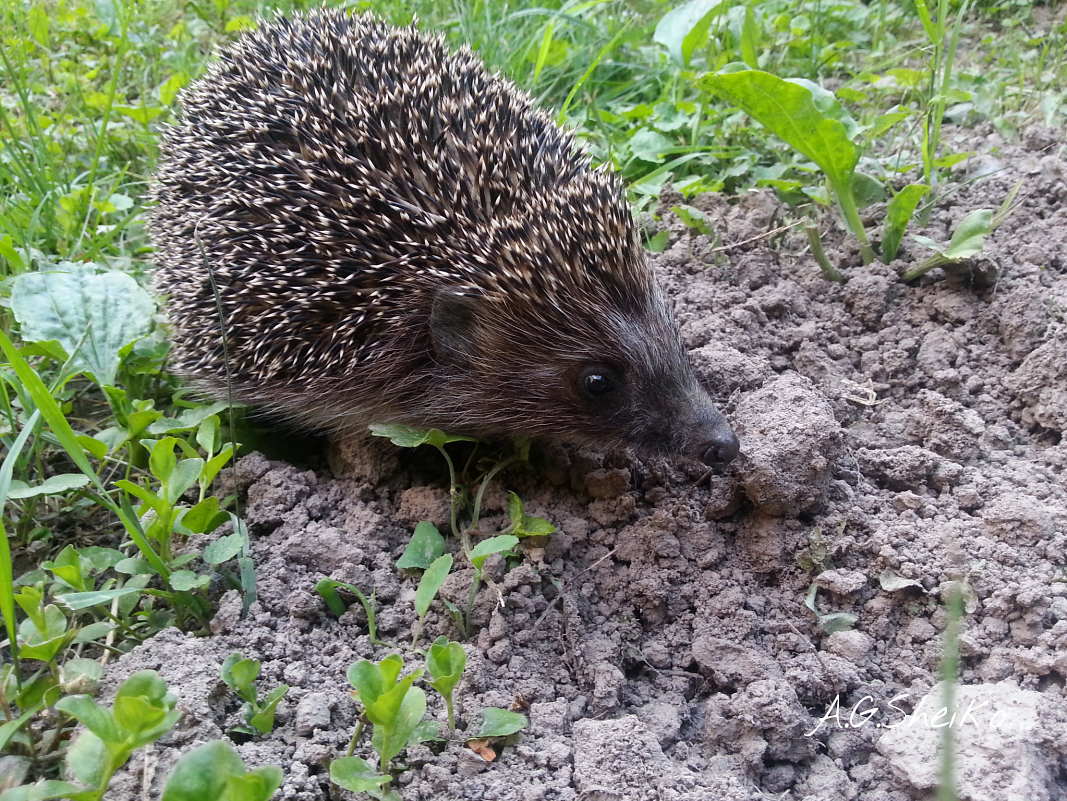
895,439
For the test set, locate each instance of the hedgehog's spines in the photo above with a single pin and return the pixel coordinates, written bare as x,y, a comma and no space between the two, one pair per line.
346,177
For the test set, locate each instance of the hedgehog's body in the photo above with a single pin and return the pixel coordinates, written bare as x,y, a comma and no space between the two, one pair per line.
398,236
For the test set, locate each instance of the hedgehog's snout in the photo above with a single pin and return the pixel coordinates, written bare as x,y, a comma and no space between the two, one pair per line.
720,448
713,440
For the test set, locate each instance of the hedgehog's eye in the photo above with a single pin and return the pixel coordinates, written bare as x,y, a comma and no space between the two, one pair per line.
597,384
599,381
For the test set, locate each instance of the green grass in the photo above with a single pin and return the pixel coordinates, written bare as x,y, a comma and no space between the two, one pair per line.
85,89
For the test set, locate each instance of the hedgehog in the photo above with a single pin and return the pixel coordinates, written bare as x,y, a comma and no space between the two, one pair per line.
399,236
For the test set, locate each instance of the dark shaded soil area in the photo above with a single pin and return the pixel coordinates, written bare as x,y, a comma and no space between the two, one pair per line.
898,442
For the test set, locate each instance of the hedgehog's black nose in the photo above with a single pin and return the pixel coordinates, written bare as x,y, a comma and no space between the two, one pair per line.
720,449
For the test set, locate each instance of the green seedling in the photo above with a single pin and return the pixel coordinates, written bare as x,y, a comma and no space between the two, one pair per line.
392,705
523,525
143,712
499,723
898,214
431,581
39,395
214,772
240,674
426,548
694,220
327,588
44,632
359,776
834,621
445,662
968,238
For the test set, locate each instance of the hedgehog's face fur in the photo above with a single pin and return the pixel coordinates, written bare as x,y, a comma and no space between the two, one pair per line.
398,236
618,385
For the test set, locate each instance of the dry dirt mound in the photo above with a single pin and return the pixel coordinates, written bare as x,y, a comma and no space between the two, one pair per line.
895,439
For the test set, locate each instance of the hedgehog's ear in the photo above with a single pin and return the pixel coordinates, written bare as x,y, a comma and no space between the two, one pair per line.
454,327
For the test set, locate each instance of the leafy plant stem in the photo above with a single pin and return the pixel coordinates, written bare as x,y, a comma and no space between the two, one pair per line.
847,203
949,668
453,491
829,272
355,738
7,598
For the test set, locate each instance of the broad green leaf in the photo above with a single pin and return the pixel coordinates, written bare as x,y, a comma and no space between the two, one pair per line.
141,114
406,719
135,713
200,516
425,545
200,775
867,190
76,601
207,434
749,39
649,145
223,549
67,566
185,580
485,548
11,728
426,730
789,111
7,250
94,631
536,526
445,663
366,677
96,719
186,421
53,485
945,162
45,791
658,242
170,87
411,437
65,302
264,719
245,672
352,773
516,510
693,218
499,723
883,122
162,461
87,759
147,684
969,236
684,29
185,474
898,214
837,621
38,24
431,582
387,706
258,784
